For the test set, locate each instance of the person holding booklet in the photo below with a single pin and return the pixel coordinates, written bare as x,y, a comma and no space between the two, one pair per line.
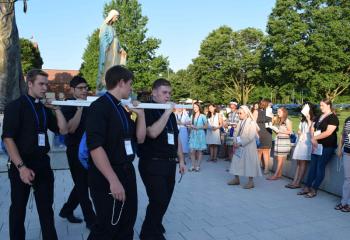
282,142
245,160
302,151
324,143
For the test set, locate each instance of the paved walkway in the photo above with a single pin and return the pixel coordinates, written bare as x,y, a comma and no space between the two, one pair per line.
205,207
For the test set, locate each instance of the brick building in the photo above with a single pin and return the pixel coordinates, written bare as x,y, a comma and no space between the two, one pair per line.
59,81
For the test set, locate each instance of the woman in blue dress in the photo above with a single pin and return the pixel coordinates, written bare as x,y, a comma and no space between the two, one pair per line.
197,136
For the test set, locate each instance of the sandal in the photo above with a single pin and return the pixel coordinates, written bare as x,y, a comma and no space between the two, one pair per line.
273,178
311,194
303,192
345,208
294,186
191,169
289,185
340,206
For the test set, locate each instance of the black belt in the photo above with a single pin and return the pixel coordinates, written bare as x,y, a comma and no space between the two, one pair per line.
170,159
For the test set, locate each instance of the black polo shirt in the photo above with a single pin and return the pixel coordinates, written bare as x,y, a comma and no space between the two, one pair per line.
20,123
106,127
159,147
73,139
330,141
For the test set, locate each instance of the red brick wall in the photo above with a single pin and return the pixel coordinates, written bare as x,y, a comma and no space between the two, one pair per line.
59,81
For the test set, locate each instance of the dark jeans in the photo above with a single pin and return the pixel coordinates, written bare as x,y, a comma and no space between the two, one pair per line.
43,193
103,202
317,168
159,179
80,191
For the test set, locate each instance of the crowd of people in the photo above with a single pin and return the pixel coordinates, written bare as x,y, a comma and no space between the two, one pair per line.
247,135
105,185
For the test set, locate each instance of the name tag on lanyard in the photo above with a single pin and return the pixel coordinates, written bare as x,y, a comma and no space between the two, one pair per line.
171,138
128,147
41,139
127,142
41,135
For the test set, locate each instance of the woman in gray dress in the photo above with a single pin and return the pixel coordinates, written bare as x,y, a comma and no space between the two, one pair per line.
265,134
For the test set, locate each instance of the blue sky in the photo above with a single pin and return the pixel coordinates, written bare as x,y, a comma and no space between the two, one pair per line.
61,27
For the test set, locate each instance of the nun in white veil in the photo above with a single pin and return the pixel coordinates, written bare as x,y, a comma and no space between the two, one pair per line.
245,160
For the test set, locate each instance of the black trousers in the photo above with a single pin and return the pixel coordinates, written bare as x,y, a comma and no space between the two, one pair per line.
80,191
103,202
43,193
159,179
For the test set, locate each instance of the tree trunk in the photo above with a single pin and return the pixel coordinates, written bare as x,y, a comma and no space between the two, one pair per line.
235,90
11,76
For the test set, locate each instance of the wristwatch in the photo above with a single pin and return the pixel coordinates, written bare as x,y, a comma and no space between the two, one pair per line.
20,165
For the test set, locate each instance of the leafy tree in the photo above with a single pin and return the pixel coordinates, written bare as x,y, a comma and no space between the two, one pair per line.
30,55
228,65
131,30
329,46
89,67
308,46
181,85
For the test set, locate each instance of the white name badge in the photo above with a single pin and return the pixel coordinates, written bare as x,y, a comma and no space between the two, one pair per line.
318,132
267,125
318,151
238,139
171,139
128,147
41,140
349,136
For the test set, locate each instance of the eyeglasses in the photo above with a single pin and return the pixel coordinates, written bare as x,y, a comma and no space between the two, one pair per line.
82,88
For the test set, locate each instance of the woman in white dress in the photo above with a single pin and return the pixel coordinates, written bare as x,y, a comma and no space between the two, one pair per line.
302,151
183,119
245,161
213,132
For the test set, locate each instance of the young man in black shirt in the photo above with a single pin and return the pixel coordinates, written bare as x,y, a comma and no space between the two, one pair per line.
158,157
76,116
111,137
26,121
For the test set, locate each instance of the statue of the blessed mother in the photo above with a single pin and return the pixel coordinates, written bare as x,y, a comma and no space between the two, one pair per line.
111,53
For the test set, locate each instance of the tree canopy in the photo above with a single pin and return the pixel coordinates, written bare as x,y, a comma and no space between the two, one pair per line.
30,55
308,46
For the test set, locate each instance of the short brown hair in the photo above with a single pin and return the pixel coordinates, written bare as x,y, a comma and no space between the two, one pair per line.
160,82
116,74
33,73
